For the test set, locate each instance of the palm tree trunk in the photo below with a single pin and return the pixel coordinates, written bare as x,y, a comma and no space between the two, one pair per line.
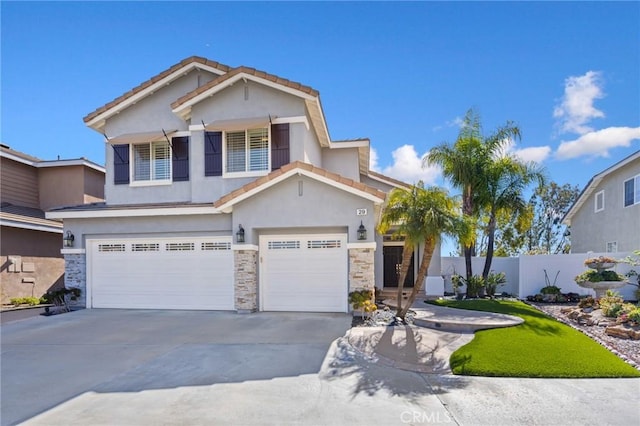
491,231
427,254
407,252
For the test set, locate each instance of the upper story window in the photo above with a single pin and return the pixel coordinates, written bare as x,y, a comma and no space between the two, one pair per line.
247,151
599,201
152,162
250,152
612,247
632,191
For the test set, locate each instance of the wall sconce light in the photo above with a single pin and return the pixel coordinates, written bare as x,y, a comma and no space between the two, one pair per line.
68,239
240,234
362,232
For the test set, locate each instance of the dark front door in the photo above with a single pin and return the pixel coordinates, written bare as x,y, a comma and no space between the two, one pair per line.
392,260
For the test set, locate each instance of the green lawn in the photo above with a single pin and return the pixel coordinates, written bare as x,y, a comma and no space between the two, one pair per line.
540,347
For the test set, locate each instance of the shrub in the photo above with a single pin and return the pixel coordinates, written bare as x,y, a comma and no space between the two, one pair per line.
31,301
634,315
550,289
494,281
611,304
361,299
474,284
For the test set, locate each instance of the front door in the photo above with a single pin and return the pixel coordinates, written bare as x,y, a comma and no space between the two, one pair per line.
392,262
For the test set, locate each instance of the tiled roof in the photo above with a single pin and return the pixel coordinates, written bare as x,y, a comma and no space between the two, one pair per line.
246,70
293,166
155,79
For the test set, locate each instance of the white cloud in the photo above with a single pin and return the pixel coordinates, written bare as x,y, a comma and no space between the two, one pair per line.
537,154
598,143
456,122
576,109
407,167
373,160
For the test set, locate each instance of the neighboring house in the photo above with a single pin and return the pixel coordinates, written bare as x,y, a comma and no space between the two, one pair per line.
30,244
606,215
224,191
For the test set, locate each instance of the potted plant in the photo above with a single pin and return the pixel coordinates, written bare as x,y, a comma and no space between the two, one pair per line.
598,277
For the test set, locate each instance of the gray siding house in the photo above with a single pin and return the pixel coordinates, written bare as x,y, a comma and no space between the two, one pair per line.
224,191
606,215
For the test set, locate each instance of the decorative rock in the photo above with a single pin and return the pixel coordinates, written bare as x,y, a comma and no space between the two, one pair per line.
617,332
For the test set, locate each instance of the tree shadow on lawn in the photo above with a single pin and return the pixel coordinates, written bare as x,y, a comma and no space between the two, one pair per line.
384,362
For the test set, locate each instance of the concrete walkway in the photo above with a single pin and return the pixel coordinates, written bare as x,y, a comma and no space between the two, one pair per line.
426,346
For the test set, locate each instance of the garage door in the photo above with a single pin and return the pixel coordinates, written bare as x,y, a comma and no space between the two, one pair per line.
304,273
169,273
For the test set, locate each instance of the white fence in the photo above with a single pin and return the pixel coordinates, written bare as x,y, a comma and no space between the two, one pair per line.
526,274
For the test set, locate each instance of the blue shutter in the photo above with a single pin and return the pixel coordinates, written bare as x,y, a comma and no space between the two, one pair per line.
213,153
279,145
180,161
121,164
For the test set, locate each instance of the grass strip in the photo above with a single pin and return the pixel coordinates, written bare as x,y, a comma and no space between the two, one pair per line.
540,347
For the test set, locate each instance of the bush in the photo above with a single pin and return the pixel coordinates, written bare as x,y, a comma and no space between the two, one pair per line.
550,289
611,304
474,284
494,281
31,301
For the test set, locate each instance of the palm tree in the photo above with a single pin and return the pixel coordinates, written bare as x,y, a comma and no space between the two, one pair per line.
420,215
465,162
506,178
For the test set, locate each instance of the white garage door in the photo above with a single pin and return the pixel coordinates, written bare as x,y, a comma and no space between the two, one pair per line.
304,273
169,273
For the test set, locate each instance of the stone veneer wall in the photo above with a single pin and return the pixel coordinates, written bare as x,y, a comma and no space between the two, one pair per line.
361,269
246,280
76,276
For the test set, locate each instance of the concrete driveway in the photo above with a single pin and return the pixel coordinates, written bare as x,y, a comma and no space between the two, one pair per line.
133,367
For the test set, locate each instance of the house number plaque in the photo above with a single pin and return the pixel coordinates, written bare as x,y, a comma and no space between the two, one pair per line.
361,212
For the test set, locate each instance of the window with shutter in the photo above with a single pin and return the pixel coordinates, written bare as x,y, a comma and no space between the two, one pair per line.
632,191
152,161
213,154
247,151
120,164
180,161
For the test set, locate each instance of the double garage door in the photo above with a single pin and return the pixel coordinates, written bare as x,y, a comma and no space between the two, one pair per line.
296,273
163,273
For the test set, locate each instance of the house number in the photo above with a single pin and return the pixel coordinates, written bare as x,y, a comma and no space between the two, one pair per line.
361,212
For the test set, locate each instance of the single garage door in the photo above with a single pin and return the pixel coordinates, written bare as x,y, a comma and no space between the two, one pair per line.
162,273
304,273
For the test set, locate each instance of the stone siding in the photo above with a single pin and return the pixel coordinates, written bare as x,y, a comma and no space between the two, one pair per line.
76,276
361,269
246,280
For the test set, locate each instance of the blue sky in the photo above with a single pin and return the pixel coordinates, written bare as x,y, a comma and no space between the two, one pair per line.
401,74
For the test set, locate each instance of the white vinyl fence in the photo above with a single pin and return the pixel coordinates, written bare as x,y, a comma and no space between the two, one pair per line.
526,274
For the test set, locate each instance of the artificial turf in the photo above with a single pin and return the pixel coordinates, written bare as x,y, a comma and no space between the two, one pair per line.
540,347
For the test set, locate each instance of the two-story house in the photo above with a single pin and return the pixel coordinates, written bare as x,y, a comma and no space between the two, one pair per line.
606,215
225,191
29,242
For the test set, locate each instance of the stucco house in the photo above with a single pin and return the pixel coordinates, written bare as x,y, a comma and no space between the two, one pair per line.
29,242
224,191
606,215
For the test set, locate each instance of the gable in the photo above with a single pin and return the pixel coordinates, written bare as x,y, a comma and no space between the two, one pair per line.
208,70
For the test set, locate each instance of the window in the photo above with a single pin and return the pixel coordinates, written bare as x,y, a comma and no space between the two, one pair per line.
152,161
599,201
612,247
632,191
247,151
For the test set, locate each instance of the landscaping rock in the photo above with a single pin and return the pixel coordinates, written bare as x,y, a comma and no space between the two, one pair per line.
617,331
